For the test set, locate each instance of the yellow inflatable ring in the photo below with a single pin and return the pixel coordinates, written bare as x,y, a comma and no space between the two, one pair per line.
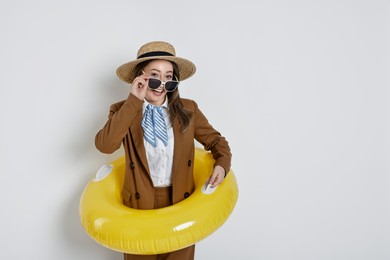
156,231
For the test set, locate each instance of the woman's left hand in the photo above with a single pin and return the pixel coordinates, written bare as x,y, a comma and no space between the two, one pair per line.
218,176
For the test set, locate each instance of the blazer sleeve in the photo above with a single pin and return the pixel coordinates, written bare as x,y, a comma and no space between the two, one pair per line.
120,118
211,139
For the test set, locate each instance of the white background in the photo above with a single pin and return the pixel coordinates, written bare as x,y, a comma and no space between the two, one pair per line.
299,88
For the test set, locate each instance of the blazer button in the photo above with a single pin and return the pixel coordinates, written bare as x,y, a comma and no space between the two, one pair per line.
189,163
186,195
132,166
137,196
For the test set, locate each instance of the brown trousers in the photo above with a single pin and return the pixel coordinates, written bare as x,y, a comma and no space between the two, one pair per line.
163,198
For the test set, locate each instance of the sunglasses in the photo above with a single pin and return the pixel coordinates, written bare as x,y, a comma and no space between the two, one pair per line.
170,85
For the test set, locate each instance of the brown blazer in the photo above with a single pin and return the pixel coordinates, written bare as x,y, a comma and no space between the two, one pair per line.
124,126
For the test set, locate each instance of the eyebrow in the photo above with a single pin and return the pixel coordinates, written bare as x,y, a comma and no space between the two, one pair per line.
170,71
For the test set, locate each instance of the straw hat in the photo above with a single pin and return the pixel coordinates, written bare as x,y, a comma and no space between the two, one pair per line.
152,51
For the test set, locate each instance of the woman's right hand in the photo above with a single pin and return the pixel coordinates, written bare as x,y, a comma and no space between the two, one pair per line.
139,86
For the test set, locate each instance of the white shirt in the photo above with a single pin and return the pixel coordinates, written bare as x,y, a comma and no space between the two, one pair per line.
160,158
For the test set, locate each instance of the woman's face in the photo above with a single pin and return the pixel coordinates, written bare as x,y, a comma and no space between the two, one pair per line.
162,70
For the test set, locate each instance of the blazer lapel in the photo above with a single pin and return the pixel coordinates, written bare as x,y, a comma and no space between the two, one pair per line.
138,137
177,150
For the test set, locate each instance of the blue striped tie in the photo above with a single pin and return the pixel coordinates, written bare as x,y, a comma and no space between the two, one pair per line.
153,123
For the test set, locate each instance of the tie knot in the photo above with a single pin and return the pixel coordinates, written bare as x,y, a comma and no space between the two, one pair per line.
153,107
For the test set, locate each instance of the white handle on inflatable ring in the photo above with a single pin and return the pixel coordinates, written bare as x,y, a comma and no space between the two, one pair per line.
103,172
207,189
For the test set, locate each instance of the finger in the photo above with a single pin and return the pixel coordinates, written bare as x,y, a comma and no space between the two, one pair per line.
143,77
139,83
214,180
211,181
214,184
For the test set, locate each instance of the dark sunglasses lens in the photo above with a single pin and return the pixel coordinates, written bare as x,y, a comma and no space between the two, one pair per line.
154,83
171,85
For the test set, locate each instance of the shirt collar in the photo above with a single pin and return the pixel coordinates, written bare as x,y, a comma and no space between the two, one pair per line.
164,105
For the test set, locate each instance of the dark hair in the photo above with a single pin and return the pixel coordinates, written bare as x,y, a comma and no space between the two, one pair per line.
175,105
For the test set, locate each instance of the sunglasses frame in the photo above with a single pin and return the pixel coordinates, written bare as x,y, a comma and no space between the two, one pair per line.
162,83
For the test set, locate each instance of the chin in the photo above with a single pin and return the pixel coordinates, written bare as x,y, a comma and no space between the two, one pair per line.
156,100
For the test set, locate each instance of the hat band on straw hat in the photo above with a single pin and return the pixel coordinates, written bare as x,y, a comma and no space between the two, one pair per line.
155,53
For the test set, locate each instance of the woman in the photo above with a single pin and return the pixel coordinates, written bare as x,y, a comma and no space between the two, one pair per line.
158,129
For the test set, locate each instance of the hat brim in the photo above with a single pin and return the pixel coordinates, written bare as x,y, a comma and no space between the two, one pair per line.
186,68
